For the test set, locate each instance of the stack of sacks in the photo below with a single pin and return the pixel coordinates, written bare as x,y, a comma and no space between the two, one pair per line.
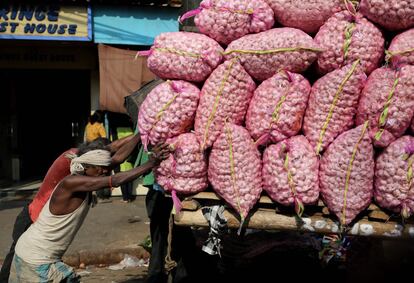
345,38
344,115
290,173
394,177
277,108
332,105
225,95
346,174
185,171
227,20
184,56
304,14
390,14
401,50
167,111
235,169
387,101
264,54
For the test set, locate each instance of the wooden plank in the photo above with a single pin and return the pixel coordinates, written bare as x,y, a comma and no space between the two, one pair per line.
269,220
263,199
190,204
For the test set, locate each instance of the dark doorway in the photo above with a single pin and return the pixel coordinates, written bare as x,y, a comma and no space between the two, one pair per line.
45,113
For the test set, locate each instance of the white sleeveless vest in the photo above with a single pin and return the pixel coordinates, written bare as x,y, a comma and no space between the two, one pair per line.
49,237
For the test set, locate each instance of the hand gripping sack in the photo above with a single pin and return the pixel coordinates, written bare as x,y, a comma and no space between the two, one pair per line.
401,50
167,111
306,15
185,171
346,37
277,108
234,169
387,101
390,14
346,174
394,188
264,54
290,173
225,95
227,20
184,56
332,105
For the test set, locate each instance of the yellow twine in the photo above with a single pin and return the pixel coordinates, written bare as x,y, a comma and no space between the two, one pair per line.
349,170
165,107
384,115
232,170
390,54
410,171
354,4
178,52
333,105
277,50
348,38
248,11
289,176
275,114
216,102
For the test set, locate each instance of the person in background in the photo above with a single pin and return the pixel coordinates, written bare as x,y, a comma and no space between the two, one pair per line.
95,128
120,150
127,188
39,250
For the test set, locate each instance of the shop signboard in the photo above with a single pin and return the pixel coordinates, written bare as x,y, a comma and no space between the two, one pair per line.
45,22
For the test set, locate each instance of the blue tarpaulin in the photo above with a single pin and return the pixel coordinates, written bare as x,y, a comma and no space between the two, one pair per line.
132,25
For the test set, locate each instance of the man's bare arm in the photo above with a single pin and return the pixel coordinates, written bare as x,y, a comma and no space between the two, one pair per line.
117,144
125,150
81,183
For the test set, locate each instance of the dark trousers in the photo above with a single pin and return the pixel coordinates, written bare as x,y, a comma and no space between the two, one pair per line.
126,190
22,223
183,242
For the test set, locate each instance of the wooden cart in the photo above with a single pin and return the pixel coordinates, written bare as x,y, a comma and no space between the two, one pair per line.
268,215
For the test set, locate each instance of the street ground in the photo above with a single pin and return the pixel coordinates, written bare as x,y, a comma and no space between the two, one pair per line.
257,256
110,225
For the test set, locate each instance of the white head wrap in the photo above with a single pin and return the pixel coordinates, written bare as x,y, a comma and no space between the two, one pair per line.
98,157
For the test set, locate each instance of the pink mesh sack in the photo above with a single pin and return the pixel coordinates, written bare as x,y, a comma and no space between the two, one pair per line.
346,37
183,55
277,108
167,111
394,188
387,101
227,20
304,14
290,173
401,50
390,14
185,171
264,54
225,95
332,105
234,169
346,174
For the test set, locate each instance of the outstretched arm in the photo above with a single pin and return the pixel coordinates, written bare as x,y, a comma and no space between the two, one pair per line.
80,183
127,146
117,144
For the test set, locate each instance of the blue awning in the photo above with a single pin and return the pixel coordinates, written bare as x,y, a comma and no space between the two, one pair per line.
132,25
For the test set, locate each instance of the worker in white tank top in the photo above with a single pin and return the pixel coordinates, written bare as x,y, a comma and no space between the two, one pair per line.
39,250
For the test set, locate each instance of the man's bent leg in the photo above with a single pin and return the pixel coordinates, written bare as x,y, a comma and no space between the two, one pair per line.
21,224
